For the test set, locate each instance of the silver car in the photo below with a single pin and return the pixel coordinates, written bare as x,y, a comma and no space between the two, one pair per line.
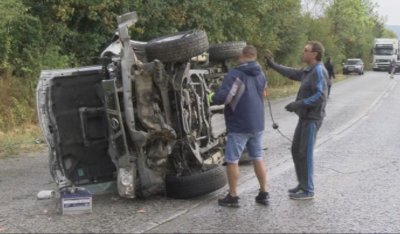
353,65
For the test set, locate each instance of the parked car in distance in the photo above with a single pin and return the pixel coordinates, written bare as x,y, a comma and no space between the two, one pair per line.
353,65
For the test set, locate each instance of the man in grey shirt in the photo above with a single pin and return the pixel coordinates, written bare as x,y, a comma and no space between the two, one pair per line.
310,107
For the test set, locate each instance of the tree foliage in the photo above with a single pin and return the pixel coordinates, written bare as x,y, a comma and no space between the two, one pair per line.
19,38
351,19
79,27
55,33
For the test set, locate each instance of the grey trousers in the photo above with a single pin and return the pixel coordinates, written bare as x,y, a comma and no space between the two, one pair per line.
303,152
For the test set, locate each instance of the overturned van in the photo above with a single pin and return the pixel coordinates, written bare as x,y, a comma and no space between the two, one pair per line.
141,118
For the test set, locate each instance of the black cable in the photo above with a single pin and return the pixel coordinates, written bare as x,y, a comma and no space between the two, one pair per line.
274,124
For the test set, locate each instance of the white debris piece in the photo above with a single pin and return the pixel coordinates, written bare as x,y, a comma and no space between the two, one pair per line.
45,194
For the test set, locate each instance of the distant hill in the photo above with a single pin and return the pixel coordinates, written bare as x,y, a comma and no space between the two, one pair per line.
394,28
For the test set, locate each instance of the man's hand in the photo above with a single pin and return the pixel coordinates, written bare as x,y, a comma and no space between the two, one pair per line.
265,93
210,97
269,59
293,106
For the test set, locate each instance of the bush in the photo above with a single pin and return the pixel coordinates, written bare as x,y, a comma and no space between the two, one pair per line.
16,103
53,58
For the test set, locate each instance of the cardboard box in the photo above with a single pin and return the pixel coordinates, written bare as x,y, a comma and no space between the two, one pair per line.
76,202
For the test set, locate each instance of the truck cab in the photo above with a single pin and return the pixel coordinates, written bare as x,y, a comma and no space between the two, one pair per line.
384,51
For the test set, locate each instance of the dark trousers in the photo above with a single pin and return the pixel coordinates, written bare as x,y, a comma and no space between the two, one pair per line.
303,152
329,89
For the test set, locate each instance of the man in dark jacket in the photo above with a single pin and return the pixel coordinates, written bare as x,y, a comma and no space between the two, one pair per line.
331,74
310,107
242,92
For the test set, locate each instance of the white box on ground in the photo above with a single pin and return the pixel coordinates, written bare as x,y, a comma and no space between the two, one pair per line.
76,202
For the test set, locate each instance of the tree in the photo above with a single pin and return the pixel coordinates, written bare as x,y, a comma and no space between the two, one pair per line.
351,19
18,50
81,27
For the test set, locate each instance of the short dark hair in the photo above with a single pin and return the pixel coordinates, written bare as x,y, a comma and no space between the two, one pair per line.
250,51
317,47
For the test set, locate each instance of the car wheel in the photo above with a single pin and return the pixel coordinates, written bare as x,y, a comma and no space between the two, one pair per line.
196,184
178,47
227,50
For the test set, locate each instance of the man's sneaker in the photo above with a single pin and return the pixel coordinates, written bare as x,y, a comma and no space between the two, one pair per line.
301,195
262,198
229,201
295,189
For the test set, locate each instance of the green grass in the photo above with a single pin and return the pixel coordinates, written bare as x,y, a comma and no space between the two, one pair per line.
339,77
21,140
282,91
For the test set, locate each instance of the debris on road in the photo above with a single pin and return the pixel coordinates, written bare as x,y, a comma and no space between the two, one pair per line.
45,194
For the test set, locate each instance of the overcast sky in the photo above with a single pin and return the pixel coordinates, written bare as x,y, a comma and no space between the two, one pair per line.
391,10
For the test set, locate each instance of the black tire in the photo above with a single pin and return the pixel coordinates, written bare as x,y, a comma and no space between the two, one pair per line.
178,47
183,187
227,50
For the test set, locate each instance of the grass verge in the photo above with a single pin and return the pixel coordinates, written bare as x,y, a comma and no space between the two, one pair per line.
22,140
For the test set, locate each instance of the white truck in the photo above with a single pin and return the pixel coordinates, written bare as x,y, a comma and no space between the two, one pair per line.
385,49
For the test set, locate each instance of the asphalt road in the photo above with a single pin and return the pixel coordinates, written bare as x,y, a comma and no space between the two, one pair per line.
356,178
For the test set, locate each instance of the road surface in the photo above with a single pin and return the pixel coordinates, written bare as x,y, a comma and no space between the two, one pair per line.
357,177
